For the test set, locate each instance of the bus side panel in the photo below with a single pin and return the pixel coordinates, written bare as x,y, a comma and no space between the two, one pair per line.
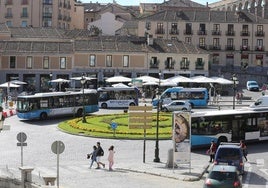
91,108
201,140
32,114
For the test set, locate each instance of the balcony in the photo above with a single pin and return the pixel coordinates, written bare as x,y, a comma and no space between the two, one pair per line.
24,15
160,31
59,17
173,31
230,33
229,47
202,32
47,2
216,32
215,47
259,33
259,48
188,32
9,15
47,15
244,33
154,64
244,48
203,46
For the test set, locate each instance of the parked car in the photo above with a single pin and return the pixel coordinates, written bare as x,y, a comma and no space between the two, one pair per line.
230,154
177,105
223,176
253,86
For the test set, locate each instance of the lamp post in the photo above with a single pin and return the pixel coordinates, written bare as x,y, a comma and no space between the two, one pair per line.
83,81
156,151
50,84
235,82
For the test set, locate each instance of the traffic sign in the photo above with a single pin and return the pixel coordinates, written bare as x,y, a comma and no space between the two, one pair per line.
22,144
57,147
21,137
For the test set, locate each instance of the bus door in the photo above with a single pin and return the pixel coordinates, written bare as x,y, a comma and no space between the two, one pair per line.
238,132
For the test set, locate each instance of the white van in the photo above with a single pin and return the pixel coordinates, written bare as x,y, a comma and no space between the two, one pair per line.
260,102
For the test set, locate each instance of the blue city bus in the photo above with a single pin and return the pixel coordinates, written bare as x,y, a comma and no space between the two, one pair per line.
249,124
198,97
44,105
118,97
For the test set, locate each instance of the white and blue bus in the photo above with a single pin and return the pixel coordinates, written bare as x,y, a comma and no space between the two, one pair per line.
249,124
198,97
118,97
44,105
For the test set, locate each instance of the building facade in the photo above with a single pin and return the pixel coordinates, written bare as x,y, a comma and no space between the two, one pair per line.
37,55
42,13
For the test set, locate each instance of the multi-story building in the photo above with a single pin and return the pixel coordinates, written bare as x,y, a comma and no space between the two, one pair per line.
33,54
235,40
66,14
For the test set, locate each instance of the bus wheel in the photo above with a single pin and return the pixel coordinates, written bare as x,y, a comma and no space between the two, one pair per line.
132,104
79,112
222,139
43,116
104,105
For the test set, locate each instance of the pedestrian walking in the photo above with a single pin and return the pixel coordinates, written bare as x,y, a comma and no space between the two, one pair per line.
212,151
244,149
99,154
111,157
93,156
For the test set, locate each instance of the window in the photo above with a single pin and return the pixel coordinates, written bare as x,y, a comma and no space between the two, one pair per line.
9,13
9,23
63,63
188,40
216,29
46,62
24,24
188,29
12,62
259,42
245,44
160,28
202,42
174,28
148,25
29,62
125,61
24,12
92,60
202,29
216,42
108,61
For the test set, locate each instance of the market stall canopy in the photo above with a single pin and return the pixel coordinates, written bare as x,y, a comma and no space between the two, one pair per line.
80,78
120,85
202,79
118,79
179,79
9,85
150,83
59,80
18,82
147,79
221,80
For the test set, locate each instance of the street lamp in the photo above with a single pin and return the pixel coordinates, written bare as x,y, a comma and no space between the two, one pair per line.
50,84
156,151
235,83
83,81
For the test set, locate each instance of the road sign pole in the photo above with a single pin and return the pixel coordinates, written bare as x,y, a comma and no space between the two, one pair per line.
58,162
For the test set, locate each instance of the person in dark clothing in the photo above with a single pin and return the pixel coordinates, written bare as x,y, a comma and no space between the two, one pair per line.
99,154
212,151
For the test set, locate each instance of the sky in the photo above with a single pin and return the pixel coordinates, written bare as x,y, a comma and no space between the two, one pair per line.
137,2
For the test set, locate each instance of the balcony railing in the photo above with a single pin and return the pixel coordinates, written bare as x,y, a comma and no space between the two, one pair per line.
202,32
188,32
259,33
215,32
259,48
47,15
230,33
244,33
244,48
9,15
160,31
203,46
173,31
215,47
24,15
229,47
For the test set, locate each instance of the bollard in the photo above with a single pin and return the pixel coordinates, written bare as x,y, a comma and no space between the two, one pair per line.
26,175
170,161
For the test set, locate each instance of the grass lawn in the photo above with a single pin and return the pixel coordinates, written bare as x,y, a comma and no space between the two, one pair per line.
100,126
